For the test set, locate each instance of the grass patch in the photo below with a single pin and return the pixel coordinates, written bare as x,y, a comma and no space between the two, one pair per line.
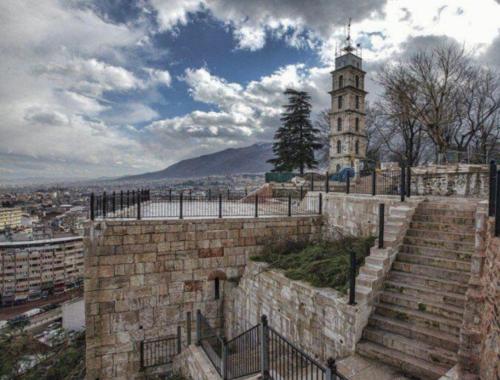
322,264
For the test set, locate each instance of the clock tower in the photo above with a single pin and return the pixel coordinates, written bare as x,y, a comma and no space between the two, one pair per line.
348,138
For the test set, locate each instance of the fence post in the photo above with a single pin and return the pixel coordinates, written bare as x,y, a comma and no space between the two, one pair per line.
190,195
92,210
181,196
256,206
491,203
352,278
114,203
104,205
209,194
497,206
224,359
188,328
264,348
170,195
374,182
327,183
312,181
402,184
179,340
228,194
198,327
408,181
381,217
331,369
301,192
138,205
289,204
220,205
142,354
320,203
348,183
128,201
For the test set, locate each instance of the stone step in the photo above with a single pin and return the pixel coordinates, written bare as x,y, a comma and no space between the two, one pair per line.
449,205
430,336
444,235
430,271
428,282
465,221
411,302
419,318
444,226
407,363
439,262
439,243
412,347
435,252
426,294
444,212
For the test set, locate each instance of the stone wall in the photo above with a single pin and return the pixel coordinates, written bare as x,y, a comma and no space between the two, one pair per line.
355,214
319,320
490,325
451,180
142,277
480,332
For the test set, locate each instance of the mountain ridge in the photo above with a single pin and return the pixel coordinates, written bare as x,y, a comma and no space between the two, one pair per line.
246,160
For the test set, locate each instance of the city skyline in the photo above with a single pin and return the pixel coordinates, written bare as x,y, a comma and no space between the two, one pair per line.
91,89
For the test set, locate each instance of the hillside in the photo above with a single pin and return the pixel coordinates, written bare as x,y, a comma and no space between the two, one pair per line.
250,159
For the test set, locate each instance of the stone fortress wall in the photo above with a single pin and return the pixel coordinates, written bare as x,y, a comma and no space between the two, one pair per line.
143,277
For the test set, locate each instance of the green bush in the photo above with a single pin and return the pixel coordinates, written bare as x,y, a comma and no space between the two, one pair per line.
322,264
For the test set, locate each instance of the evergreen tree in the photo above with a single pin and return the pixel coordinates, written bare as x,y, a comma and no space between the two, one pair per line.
296,139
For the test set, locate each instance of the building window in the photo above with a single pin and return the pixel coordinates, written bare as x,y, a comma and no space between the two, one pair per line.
356,147
217,288
339,124
338,168
357,81
340,102
357,102
341,81
339,147
357,124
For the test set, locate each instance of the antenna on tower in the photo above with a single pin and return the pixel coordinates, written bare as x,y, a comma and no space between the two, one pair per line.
348,48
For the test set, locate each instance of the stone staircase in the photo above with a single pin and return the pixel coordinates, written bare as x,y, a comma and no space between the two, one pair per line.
415,325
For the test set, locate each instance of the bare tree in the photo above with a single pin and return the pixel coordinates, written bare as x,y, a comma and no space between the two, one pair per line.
322,124
398,124
479,111
440,95
438,76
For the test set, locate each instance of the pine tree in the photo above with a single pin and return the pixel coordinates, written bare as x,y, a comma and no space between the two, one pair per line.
296,139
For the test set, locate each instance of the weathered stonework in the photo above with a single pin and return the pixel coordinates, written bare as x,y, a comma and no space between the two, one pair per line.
142,277
490,324
319,320
451,180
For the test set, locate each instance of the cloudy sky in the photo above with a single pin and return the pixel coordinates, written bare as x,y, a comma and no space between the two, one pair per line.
107,87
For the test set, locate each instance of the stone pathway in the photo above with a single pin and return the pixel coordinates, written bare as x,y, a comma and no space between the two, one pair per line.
356,367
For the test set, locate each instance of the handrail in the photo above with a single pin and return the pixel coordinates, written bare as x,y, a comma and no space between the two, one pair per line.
259,349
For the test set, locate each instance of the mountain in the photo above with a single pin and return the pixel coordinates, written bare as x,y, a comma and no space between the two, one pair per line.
250,159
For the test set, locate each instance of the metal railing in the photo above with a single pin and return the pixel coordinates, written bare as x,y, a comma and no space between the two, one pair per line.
211,342
182,205
494,196
261,349
243,354
160,351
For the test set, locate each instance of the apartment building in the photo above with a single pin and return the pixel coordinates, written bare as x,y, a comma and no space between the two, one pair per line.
30,270
10,217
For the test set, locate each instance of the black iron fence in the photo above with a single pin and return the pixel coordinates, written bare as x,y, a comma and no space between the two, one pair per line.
140,204
263,350
160,351
494,196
